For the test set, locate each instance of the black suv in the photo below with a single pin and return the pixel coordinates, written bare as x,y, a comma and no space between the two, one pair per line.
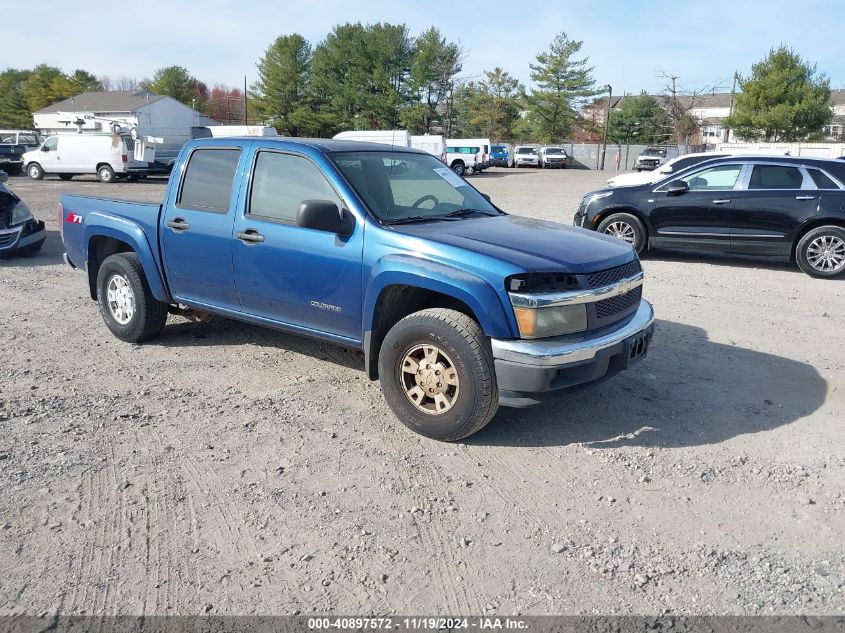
778,206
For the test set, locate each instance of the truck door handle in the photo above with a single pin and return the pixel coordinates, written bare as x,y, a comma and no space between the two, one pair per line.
805,197
721,201
250,236
178,225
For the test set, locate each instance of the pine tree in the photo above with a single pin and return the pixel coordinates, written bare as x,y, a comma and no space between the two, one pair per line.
562,83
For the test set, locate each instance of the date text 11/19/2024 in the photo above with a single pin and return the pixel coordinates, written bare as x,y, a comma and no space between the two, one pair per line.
417,623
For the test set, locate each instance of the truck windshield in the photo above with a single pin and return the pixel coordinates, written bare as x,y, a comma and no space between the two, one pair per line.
527,150
405,187
554,150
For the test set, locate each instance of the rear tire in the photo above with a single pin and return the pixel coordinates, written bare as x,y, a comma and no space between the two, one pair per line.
626,227
105,173
126,302
821,252
437,374
459,168
35,171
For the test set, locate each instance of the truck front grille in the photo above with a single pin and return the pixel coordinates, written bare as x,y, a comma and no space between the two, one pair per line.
612,275
619,304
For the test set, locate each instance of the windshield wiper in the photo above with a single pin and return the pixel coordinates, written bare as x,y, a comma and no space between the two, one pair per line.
414,218
452,215
460,213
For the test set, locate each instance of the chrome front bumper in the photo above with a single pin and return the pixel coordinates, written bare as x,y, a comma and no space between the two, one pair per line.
563,350
527,368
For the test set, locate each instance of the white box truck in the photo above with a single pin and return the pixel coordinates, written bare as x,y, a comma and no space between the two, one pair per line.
434,144
397,138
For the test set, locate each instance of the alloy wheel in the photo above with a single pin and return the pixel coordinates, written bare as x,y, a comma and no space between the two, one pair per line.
622,231
826,253
429,379
121,299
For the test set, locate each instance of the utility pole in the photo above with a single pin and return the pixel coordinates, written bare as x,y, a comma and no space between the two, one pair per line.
246,119
606,124
731,109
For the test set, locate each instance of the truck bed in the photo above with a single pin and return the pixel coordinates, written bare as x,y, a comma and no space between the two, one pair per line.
80,214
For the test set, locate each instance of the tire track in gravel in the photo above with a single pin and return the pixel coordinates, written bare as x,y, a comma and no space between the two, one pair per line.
439,544
98,560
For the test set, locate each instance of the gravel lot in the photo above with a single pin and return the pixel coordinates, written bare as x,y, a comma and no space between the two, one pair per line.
230,469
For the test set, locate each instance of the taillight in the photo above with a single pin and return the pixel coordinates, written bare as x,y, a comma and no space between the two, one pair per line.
61,221
125,158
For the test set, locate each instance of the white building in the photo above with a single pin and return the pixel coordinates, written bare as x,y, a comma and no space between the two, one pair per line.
835,131
152,115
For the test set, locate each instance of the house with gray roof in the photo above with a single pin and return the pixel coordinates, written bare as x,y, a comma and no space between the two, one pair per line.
135,108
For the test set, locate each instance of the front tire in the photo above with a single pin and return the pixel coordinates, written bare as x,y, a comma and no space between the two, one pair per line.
626,227
821,252
126,302
35,171
106,174
437,374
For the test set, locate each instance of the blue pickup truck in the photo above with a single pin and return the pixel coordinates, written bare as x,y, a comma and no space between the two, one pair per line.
457,306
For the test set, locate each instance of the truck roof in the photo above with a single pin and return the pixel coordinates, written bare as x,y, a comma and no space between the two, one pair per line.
324,145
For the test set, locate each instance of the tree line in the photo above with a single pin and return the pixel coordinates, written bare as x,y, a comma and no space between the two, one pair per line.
380,76
784,98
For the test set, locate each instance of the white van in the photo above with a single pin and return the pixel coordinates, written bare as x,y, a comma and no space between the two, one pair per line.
397,138
109,156
434,144
483,144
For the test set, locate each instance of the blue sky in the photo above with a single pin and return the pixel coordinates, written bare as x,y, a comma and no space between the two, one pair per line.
629,43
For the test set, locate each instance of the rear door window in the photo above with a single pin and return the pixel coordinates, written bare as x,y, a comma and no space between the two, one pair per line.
775,177
208,181
822,180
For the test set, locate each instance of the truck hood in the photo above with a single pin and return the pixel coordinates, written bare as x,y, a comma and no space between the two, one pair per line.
533,245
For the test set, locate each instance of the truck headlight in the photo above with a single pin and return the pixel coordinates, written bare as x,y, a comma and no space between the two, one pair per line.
20,214
551,321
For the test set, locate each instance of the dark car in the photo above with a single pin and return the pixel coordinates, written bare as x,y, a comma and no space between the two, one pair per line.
20,233
777,206
13,145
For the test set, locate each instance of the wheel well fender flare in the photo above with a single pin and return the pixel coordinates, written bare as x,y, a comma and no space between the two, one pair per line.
441,281
106,236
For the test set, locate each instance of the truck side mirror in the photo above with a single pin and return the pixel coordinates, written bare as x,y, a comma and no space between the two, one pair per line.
323,215
677,187
486,197
44,148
